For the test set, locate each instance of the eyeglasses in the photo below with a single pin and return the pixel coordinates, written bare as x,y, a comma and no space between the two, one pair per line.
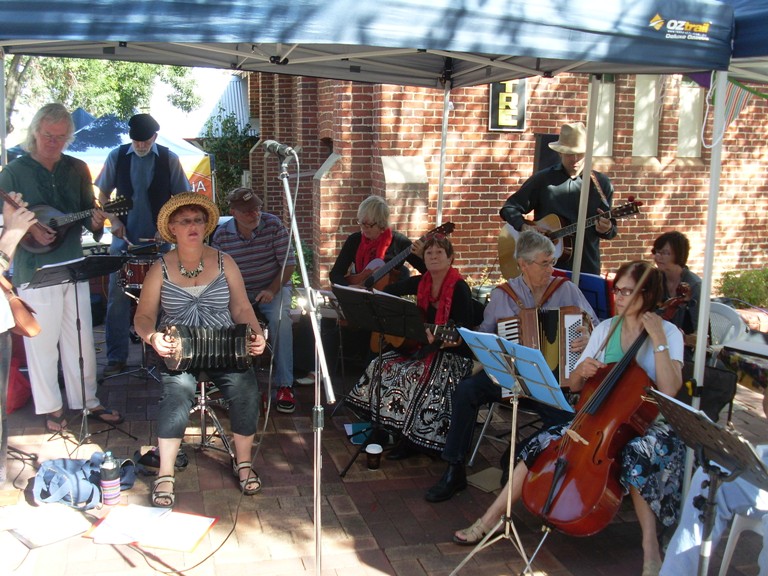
185,222
367,225
546,264
664,253
626,292
53,138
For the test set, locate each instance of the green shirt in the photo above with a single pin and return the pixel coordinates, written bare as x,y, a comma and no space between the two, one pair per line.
67,189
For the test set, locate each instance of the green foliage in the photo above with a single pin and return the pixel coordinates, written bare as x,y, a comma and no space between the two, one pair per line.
309,260
98,86
749,286
230,147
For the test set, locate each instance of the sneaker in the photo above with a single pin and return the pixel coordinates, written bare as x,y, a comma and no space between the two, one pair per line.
286,402
113,369
307,380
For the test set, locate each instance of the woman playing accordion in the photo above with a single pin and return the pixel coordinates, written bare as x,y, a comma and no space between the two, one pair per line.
195,285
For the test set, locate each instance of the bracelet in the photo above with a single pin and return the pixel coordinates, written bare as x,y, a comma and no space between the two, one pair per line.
152,335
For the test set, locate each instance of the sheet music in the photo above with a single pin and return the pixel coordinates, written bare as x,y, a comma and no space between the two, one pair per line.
727,448
511,365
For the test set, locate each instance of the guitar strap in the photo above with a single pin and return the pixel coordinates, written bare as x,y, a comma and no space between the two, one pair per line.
551,289
593,177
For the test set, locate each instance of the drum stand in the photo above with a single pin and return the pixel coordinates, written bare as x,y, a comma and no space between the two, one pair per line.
144,370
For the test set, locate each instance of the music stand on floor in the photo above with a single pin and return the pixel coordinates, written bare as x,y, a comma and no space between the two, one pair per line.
723,454
386,314
525,372
72,272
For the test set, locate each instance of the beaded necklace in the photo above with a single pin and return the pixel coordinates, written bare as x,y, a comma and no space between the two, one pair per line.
190,273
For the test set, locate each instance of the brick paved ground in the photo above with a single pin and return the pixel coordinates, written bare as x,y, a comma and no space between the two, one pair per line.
373,522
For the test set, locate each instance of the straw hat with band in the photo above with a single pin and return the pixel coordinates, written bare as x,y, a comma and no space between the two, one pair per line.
572,139
186,200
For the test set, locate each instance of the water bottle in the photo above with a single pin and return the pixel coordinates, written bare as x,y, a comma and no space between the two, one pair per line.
110,480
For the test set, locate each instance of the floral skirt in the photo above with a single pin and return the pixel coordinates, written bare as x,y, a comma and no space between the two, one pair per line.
652,463
414,395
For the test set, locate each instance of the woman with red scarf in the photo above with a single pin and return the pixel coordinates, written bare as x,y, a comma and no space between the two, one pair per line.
415,390
374,245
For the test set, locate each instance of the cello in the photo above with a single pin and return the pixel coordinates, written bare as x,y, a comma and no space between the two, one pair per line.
574,483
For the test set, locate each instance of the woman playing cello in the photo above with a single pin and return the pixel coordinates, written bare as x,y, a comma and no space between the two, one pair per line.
651,464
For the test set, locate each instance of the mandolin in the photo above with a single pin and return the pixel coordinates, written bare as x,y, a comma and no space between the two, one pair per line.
556,231
376,273
51,220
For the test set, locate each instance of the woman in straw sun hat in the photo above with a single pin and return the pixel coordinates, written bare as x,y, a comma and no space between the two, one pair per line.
195,285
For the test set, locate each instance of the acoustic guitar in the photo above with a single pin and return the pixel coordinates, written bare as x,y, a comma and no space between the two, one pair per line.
558,232
376,273
447,333
51,220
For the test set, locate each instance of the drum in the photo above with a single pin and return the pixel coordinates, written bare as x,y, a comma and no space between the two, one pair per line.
131,275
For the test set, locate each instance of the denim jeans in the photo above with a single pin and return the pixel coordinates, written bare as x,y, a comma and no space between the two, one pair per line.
240,389
280,335
118,320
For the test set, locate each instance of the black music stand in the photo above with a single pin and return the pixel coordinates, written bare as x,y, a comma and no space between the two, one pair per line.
72,272
723,454
524,371
386,314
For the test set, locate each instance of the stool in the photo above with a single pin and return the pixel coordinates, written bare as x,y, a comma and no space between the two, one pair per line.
205,405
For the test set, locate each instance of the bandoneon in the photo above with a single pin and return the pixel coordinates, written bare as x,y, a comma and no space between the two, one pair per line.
201,348
551,331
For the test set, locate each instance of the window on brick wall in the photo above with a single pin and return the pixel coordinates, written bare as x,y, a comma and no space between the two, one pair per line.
606,103
648,98
690,119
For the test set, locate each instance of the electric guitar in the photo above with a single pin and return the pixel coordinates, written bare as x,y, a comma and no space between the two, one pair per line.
376,273
558,232
51,220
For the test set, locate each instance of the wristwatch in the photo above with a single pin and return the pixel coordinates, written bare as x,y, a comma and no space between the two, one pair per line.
661,348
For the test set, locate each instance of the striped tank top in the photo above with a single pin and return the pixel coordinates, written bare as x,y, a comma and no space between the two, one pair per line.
198,305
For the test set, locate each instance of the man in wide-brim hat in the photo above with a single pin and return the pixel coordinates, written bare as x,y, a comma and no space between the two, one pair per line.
557,190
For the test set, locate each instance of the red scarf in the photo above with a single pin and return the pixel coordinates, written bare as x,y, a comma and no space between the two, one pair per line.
444,299
372,249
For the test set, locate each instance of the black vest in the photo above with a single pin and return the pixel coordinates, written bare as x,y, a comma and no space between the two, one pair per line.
159,189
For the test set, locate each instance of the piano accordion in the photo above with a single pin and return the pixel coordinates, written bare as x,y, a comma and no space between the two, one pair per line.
201,348
551,331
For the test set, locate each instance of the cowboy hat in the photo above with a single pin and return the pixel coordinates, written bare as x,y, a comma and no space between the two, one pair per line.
572,140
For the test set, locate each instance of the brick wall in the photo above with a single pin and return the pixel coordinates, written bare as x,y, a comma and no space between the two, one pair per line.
363,123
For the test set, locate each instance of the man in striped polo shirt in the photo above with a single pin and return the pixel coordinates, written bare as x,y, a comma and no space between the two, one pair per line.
258,243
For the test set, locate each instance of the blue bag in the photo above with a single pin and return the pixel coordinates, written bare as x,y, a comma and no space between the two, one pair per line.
75,482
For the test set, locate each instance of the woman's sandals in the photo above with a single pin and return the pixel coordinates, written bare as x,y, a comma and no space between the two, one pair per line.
250,485
163,499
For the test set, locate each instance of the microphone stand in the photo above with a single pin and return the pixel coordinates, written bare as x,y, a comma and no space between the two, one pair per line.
320,360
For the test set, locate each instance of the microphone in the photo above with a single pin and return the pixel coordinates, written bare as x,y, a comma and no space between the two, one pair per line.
275,147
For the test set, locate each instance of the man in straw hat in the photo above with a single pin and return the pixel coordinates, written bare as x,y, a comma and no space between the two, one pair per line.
557,190
148,174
